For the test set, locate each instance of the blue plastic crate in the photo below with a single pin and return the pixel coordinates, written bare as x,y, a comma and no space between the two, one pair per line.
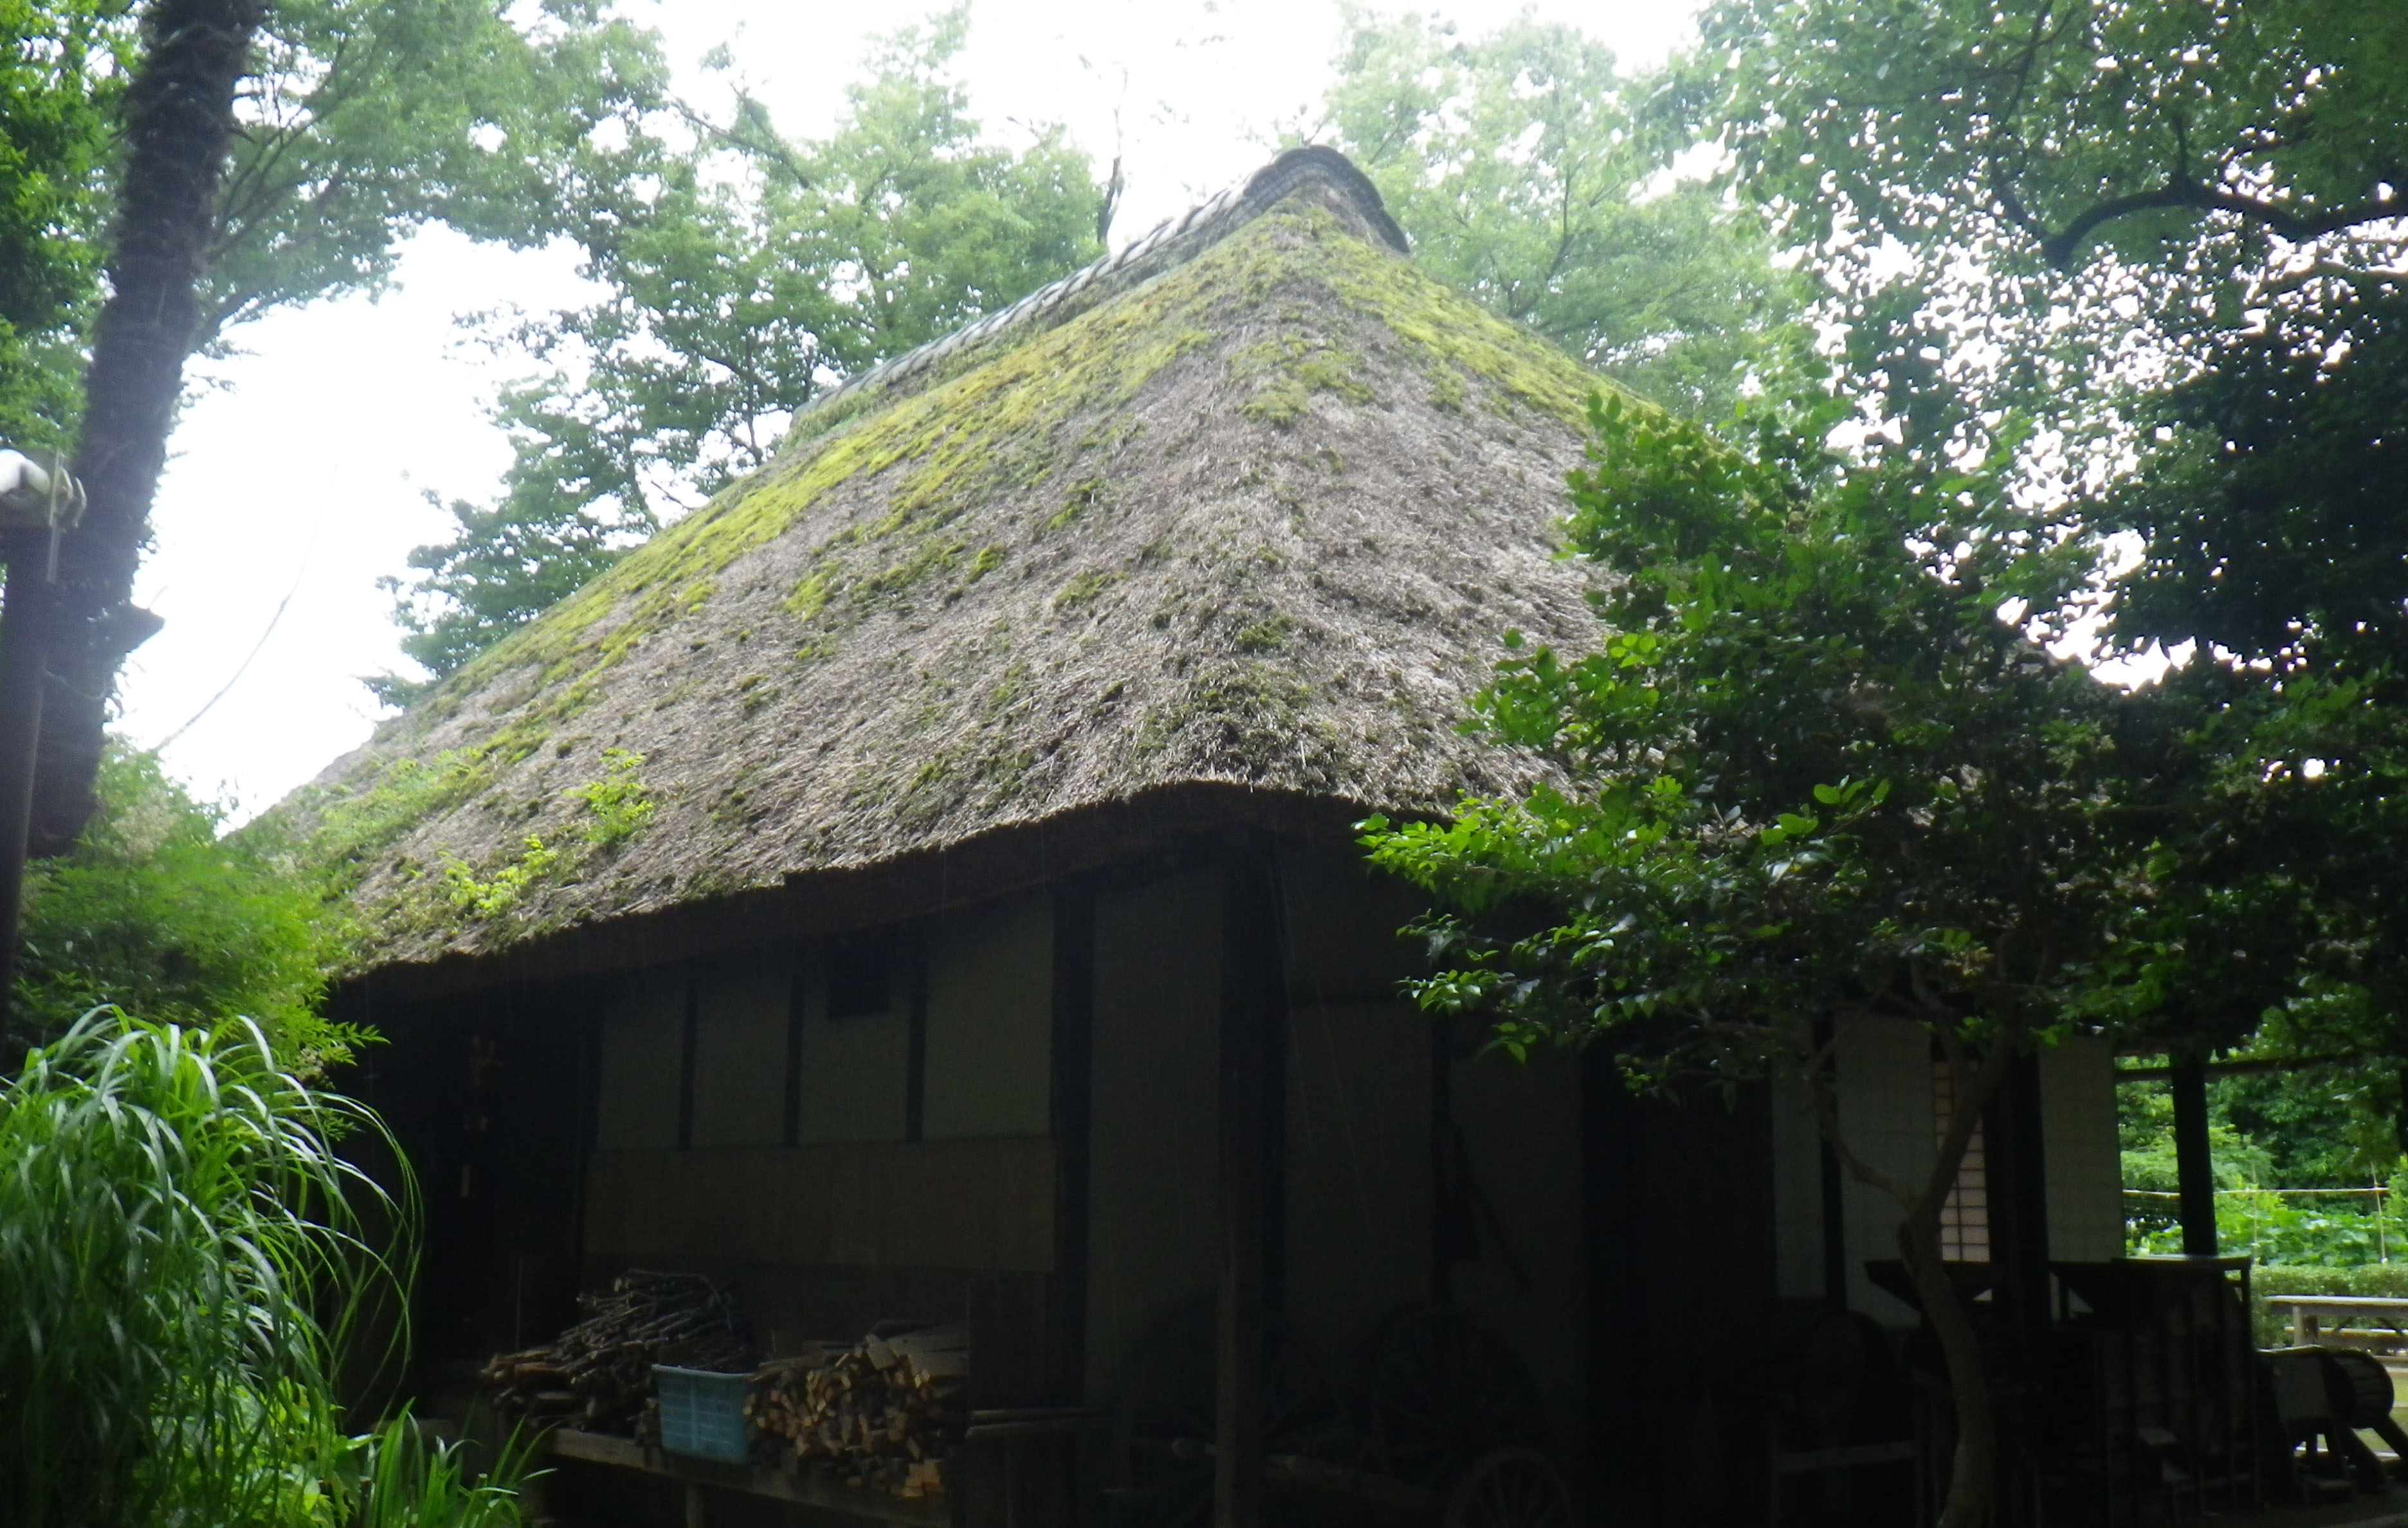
702,1414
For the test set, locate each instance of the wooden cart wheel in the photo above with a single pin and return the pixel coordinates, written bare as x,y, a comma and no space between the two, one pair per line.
1512,1487
1445,1393
1168,1396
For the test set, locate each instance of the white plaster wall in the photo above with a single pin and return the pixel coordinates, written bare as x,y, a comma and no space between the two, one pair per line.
1884,1095
2082,1157
643,1059
741,1009
991,1024
856,1071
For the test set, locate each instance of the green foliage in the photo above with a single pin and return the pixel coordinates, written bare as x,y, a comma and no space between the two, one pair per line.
2172,231
152,911
2144,1118
620,802
2267,512
60,78
2061,208
367,119
408,1479
375,117
746,276
618,805
2332,1127
2381,1280
1811,772
1529,173
2139,122
184,1256
2299,1231
493,896
1810,768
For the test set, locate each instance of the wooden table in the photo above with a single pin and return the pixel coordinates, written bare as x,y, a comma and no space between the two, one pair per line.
848,1502
2310,1313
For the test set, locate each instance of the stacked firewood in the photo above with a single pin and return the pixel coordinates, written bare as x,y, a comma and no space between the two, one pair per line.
598,1374
879,1414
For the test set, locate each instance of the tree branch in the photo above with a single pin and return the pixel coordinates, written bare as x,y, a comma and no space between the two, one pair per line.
2299,228
753,135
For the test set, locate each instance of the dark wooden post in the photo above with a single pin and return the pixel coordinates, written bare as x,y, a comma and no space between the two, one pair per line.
2194,1168
1073,1116
2018,1165
1253,1012
21,616
1614,1191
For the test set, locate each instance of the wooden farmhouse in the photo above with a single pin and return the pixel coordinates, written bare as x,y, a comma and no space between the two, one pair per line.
921,887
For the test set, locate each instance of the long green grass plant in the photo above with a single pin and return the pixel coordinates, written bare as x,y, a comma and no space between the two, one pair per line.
408,1478
183,1256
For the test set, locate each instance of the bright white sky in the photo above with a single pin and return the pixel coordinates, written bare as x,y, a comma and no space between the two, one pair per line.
301,472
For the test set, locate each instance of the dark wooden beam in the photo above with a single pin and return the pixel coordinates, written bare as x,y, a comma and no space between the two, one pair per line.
22,611
2194,1168
1619,1352
798,997
1073,1127
2016,1166
1253,1005
689,1040
915,1064
820,904
2240,1067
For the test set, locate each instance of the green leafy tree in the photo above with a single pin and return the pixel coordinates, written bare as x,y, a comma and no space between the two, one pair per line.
58,85
749,276
2265,505
371,121
1809,772
2166,233
2066,129
273,156
1532,174
2053,206
154,912
2173,232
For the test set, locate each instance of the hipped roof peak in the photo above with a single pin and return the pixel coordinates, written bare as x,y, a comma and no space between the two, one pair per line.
1172,242
1236,516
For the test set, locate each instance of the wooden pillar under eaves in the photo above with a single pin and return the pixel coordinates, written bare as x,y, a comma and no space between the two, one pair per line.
2194,1165
1253,1027
1073,1123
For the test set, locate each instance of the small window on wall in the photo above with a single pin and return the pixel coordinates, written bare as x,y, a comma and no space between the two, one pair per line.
854,1046
1965,1218
860,980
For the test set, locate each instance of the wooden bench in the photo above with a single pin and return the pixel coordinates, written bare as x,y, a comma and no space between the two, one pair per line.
2343,1319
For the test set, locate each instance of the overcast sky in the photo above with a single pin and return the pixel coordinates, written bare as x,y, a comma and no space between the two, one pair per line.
299,473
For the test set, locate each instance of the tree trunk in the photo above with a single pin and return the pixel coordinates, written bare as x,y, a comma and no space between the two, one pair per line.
179,119
1973,1470
1973,1494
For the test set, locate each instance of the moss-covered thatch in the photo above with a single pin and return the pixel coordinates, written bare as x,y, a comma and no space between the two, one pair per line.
1252,508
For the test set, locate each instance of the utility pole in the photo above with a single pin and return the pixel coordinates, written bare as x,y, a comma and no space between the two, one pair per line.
39,503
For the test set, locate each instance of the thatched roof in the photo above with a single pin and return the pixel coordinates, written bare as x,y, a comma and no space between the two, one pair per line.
1245,508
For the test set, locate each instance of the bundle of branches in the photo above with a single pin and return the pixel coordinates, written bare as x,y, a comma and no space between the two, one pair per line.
598,1374
880,1413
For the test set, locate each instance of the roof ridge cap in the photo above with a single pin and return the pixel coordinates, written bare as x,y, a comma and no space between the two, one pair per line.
1172,242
